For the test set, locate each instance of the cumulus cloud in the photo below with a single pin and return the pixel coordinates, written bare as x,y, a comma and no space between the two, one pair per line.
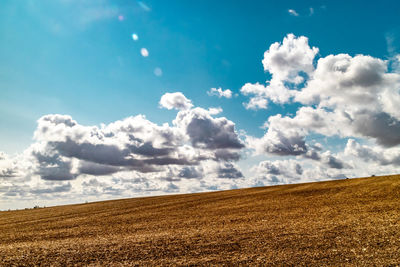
342,77
8,167
190,172
207,132
52,166
132,144
343,97
277,172
396,63
279,142
256,102
65,151
358,95
220,93
228,170
275,91
87,167
333,162
175,101
273,172
373,154
214,111
340,95
224,170
339,83
288,62
7,172
208,175
285,61
66,187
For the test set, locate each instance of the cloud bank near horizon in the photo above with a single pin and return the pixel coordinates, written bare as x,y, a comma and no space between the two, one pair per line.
133,154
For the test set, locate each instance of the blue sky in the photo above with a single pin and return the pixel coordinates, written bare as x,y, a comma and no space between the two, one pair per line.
78,58
56,60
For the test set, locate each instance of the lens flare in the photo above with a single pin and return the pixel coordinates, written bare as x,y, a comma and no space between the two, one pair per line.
158,72
135,37
144,52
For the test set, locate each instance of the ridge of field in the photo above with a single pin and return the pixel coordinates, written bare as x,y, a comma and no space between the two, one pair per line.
340,222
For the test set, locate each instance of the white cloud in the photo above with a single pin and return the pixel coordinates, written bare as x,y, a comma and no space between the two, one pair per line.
340,79
278,142
374,154
333,161
358,94
343,95
8,168
226,170
287,59
275,91
220,93
395,63
208,132
214,111
256,102
340,96
288,62
175,101
290,171
127,155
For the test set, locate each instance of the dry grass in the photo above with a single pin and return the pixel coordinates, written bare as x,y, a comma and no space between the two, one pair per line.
345,222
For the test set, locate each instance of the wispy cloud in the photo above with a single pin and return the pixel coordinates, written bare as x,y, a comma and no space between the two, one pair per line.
90,13
293,12
390,38
144,6
76,14
220,93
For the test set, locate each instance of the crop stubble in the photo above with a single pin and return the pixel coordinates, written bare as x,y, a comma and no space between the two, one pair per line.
343,222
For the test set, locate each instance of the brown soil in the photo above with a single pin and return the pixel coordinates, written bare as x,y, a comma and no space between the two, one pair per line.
344,222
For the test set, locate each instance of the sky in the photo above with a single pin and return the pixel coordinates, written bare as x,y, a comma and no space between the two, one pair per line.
113,99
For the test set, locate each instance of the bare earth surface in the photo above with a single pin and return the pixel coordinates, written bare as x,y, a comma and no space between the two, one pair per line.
344,222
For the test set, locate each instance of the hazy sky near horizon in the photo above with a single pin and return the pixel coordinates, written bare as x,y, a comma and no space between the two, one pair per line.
109,99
